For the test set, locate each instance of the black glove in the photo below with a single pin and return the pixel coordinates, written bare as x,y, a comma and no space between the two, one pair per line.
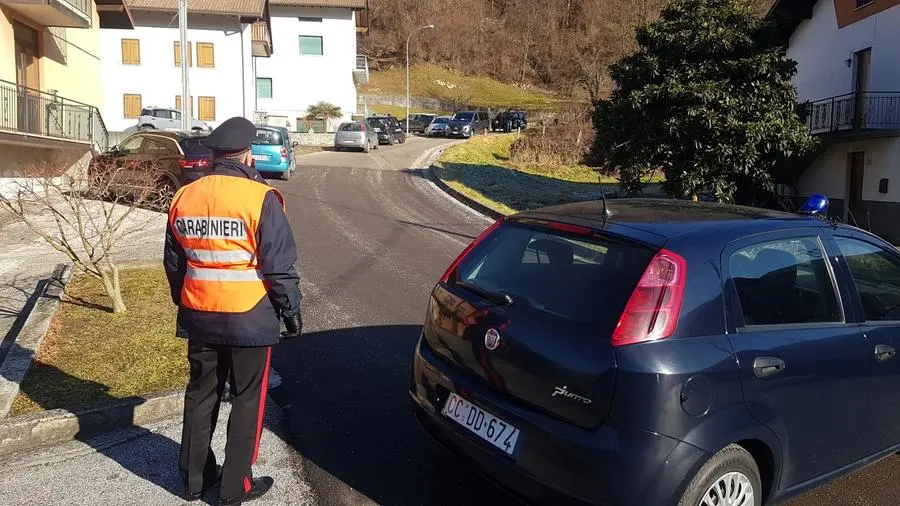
293,325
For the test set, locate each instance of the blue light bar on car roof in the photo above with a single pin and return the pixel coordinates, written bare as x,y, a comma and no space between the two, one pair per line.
815,205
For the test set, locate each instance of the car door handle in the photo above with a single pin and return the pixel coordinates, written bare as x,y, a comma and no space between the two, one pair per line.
764,367
884,352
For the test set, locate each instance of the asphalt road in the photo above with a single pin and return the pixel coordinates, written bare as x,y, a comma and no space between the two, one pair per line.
374,236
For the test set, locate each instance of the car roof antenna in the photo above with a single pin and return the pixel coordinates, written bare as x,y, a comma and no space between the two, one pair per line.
603,196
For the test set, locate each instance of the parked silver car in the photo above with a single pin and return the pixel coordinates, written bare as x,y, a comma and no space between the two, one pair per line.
355,135
438,126
163,118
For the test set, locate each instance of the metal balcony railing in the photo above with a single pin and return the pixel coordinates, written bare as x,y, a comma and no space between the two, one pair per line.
29,111
854,111
82,6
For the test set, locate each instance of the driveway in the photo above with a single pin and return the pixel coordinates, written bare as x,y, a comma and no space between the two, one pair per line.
374,237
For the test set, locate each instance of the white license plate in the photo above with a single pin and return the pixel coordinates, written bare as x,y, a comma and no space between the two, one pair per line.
481,423
262,158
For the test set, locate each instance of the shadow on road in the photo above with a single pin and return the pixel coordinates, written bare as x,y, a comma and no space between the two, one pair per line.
345,394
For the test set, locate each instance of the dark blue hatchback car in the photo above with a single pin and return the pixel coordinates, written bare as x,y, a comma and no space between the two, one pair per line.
668,352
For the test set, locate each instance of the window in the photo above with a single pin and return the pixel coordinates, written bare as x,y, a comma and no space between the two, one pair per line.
178,104
876,274
310,20
193,146
784,282
132,106
268,137
264,87
131,52
190,61
130,145
207,108
311,45
158,146
862,3
206,54
555,277
350,127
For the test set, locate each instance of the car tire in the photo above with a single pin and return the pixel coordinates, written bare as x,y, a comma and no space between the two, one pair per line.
368,147
395,140
146,128
724,479
167,189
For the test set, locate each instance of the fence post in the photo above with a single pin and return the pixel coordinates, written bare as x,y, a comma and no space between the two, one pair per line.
831,129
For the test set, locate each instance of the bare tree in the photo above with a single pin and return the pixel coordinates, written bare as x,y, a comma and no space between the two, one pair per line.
86,212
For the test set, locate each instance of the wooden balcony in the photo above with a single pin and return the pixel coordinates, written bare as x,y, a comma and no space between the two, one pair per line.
62,13
261,39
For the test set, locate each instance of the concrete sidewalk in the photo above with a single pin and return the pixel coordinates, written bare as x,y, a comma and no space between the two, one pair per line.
140,467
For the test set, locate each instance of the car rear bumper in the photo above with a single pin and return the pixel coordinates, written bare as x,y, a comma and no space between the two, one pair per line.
350,143
555,462
281,166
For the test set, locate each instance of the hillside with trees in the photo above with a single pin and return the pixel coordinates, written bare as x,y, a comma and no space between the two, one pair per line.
561,45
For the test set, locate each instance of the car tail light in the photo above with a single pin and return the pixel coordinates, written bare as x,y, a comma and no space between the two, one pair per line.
652,311
284,152
469,248
362,127
193,164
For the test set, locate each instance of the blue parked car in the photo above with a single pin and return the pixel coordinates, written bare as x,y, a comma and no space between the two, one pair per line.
273,151
664,353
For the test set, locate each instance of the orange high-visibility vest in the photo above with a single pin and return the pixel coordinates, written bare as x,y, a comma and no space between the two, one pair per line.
215,220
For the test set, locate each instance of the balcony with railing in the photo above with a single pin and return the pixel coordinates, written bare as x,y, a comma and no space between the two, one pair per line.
33,117
855,114
361,70
261,39
63,13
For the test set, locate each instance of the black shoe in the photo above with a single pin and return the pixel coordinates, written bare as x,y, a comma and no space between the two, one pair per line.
260,487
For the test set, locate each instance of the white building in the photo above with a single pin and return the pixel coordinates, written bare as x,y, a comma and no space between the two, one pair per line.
315,60
141,67
848,69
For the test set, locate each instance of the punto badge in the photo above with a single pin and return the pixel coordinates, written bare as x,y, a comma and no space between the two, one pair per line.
492,339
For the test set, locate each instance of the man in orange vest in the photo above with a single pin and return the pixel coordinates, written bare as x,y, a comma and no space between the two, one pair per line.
229,257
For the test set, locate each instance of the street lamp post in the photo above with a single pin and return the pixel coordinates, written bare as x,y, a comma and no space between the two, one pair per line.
407,71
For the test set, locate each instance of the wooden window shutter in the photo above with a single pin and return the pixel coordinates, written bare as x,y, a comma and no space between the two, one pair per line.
178,104
178,54
207,106
206,55
131,52
132,106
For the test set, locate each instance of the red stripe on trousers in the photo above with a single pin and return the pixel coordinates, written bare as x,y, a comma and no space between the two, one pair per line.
247,485
262,405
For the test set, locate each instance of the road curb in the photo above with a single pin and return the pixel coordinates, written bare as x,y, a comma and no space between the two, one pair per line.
47,428
432,176
27,341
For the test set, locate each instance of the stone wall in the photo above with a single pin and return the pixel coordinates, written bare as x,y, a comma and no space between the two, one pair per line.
308,139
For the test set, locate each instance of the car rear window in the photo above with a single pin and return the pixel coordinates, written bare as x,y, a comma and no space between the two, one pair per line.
195,148
558,276
267,137
351,127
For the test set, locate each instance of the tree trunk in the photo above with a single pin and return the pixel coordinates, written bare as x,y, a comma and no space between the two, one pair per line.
113,288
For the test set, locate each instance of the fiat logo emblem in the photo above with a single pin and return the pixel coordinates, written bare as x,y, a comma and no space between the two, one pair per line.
492,339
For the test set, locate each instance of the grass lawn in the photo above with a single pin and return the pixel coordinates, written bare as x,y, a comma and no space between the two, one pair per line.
436,82
480,169
91,355
305,150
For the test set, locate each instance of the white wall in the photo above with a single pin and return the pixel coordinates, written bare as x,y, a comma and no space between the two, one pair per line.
821,51
299,81
828,174
158,80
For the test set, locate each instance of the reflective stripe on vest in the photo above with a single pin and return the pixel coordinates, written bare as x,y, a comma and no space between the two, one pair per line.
215,220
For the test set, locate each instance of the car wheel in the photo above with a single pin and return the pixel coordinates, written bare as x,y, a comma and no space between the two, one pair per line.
395,140
368,147
167,189
146,128
728,478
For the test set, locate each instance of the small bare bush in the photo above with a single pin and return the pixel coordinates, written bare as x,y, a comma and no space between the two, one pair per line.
87,211
564,140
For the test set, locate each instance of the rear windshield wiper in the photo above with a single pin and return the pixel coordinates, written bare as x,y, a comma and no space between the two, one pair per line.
497,297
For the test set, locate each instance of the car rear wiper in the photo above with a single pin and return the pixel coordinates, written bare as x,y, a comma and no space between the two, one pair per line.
497,297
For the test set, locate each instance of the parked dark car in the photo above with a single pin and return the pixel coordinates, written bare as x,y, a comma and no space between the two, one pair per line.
508,121
388,129
468,123
418,122
666,353
165,160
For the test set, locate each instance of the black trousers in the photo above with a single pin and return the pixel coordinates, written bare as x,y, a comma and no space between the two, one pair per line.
247,371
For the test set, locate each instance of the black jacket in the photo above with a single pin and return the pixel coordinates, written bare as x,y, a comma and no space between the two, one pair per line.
277,254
